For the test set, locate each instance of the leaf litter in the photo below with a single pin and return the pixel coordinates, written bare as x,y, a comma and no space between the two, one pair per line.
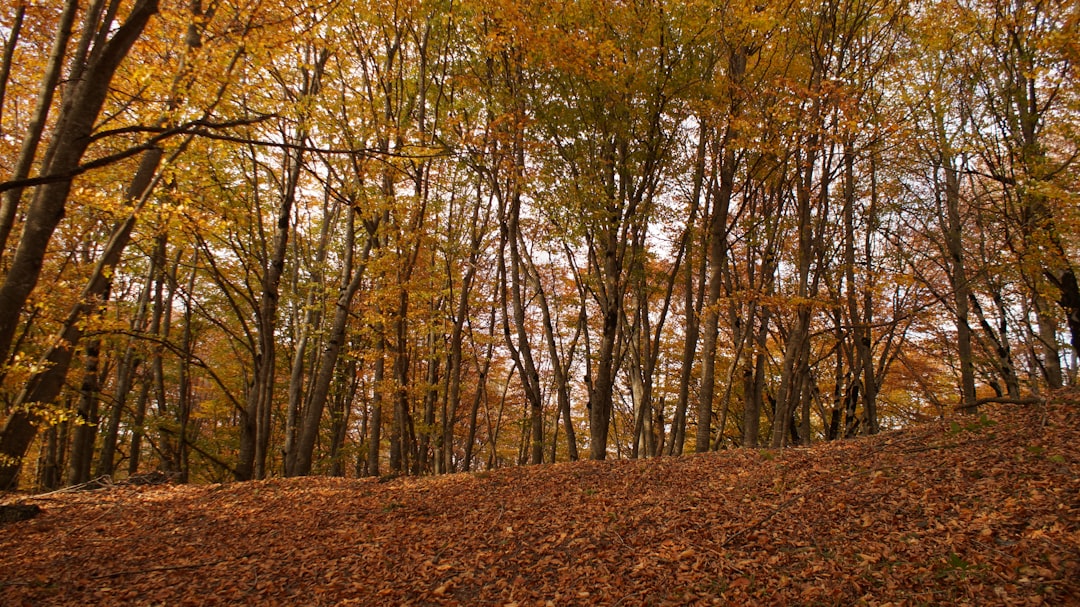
977,511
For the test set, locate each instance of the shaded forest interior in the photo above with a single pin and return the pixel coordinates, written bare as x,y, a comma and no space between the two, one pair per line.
244,239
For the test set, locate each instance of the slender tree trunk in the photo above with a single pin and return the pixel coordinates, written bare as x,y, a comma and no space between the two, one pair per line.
351,280
256,419
481,391
860,320
1070,303
399,432
5,63
640,403
155,376
718,251
804,417
375,423
604,382
1047,340
692,307
754,384
166,447
431,396
958,272
789,392
185,397
559,367
452,397
66,149
32,139
339,416
515,274
86,417
997,342
530,377
54,454
310,324
125,378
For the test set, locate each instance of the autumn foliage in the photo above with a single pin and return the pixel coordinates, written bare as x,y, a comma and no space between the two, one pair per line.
247,239
971,511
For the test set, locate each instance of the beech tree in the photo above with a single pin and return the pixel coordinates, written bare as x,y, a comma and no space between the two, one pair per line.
92,66
1021,73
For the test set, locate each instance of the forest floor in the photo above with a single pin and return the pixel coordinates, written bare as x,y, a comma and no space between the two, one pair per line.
973,511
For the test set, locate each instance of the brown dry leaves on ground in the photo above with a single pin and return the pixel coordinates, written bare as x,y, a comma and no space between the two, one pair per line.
980,511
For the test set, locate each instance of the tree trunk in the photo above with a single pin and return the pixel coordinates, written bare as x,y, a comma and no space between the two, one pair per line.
530,377
154,377
5,62
431,396
399,431
452,397
1070,303
125,377
32,139
1047,340
185,397
692,307
998,344
958,274
44,386
481,391
66,149
790,368
375,423
718,251
311,323
339,416
54,454
859,320
600,399
514,276
350,283
256,419
86,417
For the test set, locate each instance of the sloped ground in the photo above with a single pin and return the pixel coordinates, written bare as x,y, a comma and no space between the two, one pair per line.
979,512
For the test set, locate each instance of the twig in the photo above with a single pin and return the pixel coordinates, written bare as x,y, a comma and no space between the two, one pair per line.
35,583
1002,400
618,602
931,448
760,522
955,445
621,540
167,568
100,482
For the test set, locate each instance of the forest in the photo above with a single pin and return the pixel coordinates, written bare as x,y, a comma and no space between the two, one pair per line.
243,239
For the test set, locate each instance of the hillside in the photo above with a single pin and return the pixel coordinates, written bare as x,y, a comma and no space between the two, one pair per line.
975,512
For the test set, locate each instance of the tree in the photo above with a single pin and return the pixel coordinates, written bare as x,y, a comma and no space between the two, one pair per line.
1021,94
93,69
612,130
